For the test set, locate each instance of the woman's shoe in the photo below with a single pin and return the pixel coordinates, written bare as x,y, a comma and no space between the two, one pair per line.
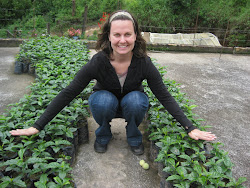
137,150
100,148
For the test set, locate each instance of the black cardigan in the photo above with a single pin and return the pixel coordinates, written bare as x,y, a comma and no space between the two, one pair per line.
100,68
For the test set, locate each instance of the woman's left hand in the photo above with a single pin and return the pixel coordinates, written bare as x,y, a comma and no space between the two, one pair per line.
196,134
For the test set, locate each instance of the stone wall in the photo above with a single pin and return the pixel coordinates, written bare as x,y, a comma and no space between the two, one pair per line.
155,46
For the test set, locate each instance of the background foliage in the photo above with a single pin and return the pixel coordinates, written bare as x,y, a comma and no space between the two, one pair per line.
153,15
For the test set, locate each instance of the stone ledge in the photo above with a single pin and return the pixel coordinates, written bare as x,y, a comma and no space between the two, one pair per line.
187,48
203,49
10,42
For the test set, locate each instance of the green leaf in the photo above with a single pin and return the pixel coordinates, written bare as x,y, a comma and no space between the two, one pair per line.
52,185
53,165
4,184
171,161
9,168
56,149
218,169
58,180
192,176
175,150
40,103
36,169
192,106
178,186
9,162
202,180
49,143
173,177
208,164
21,152
198,169
203,158
215,174
167,169
40,184
185,157
185,164
69,134
62,142
159,144
219,161
227,162
34,160
221,184
28,143
43,178
62,174
181,171
17,181
241,180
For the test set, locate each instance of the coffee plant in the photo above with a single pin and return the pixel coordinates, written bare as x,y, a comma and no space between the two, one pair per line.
43,160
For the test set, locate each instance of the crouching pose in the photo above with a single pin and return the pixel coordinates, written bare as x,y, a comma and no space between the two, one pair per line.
119,68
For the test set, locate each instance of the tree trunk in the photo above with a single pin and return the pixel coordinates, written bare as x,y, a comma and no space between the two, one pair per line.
73,7
84,19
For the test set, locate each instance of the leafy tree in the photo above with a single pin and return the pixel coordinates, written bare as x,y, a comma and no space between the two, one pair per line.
155,14
13,9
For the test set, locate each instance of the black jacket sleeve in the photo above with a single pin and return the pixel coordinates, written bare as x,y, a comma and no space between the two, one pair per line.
81,80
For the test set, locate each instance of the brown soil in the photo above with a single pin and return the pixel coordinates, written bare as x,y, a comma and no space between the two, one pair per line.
90,30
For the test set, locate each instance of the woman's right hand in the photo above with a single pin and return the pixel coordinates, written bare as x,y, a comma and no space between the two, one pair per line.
24,132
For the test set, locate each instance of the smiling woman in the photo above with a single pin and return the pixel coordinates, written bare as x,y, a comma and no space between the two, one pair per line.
122,38
119,68
103,43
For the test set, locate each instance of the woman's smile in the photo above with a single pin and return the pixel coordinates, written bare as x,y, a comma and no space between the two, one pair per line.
122,37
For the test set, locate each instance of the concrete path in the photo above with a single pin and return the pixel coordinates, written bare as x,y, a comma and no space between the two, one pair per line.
13,86
220,88
118,167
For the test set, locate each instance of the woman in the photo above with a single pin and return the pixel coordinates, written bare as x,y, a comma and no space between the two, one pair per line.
119,67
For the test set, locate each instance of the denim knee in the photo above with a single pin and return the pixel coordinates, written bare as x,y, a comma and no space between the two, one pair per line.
103,103
135,102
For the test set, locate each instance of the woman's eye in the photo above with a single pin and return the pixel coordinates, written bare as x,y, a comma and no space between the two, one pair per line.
128,34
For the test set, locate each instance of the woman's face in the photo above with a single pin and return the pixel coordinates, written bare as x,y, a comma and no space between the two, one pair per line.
122,37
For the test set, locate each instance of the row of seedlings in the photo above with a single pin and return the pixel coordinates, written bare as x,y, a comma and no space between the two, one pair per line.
181,161
44,159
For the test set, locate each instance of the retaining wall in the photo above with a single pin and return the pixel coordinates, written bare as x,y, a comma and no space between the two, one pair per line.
157,47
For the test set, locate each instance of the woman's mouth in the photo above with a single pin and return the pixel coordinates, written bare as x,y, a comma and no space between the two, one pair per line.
122,46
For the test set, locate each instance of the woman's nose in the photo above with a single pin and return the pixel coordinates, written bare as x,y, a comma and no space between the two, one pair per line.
122,39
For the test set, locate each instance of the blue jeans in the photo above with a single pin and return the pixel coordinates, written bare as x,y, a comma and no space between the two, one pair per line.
104,106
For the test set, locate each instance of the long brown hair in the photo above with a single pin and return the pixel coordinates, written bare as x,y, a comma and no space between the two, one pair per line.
103,43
